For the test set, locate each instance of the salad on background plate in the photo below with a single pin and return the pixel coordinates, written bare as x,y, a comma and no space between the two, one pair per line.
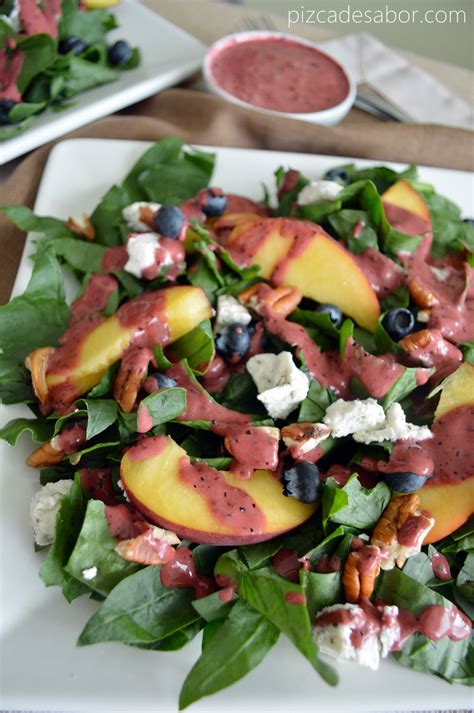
52,51
255,418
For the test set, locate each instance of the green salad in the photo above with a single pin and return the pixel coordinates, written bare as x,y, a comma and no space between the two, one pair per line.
255,419
50,53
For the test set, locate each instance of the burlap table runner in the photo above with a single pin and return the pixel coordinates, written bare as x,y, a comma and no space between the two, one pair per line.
199,118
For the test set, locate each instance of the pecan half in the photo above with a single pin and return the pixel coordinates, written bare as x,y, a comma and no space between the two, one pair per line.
37,364
401,530
360,572
261,297
146,215
131,375
304,437
421,294
82,226
43,456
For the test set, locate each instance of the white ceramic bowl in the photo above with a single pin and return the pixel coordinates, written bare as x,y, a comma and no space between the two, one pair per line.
327,117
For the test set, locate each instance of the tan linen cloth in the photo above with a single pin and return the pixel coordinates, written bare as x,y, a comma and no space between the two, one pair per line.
203,119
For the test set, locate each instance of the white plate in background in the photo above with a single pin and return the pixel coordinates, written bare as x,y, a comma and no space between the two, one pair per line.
168,55
40,666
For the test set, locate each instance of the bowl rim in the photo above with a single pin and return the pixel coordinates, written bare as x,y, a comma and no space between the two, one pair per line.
246,35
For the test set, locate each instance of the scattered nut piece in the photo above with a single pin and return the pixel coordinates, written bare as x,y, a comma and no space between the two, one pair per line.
131,375
282,300
43,456
360,572
300,438
37,364
82,226
421,294
401,530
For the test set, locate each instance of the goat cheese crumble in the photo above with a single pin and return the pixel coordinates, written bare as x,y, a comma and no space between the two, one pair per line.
347,417
45,505
395,428
281,385
230,311
319,192
131,215
337,639
366,421
141,250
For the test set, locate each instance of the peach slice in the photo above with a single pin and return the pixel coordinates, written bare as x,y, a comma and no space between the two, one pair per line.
451,504
152,475
403,195
458,390
300,254
183,309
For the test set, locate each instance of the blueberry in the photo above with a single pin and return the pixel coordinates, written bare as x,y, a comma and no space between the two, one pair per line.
163,381
469,221
6,105
335,314
169,221
405,482
72,44
215,203
302,482
398,323
337,174
119,53
233,341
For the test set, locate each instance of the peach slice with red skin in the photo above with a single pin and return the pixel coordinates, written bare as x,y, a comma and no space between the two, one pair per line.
151,473
184,308
403,195
451,504
297,253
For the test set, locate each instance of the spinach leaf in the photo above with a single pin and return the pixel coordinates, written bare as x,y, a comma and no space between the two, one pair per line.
240,394
354,505
68,524
164,405
310,318
101,413
203,275
212,608
39,53
321,590
264,590
197,346
90,26
78,254
40,315
451,660
107,217
347,222
140,610
403,386
82,75
258,555
15,384
236,648
174,182
465,578
95,547
24,110
286,199
316,403
104,387
165,151
450,233
26,220
40,430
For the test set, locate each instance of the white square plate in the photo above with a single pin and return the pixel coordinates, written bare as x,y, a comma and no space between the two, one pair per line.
168,55
41,668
